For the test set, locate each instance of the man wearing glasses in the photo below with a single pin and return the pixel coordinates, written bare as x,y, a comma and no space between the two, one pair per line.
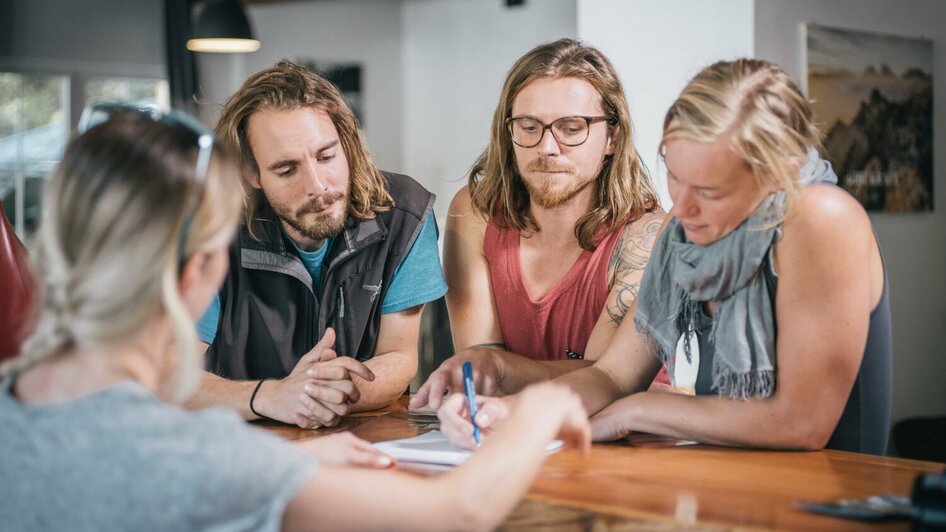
320,312
545,248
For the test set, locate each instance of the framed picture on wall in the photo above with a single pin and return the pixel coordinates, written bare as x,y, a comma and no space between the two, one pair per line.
872,95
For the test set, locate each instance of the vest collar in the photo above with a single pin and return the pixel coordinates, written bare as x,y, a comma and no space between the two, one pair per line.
271,252
359,235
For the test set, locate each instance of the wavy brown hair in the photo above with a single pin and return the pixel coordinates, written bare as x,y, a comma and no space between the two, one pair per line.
758,109
288,86
623,190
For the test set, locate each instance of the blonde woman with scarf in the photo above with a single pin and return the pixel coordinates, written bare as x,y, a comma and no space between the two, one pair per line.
766,281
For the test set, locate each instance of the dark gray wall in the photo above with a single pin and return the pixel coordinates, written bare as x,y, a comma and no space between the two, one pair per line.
95,36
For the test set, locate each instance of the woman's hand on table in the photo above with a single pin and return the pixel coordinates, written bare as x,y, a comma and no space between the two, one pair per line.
346,449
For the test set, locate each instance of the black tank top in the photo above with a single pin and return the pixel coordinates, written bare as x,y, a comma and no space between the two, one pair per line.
865,422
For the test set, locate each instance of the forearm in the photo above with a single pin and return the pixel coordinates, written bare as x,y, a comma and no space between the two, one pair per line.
497,475
475,496
393,373
517,371
217,391
335,500
714,420
627,367
595,387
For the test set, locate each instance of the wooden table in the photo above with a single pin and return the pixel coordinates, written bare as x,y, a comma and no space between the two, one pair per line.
652,484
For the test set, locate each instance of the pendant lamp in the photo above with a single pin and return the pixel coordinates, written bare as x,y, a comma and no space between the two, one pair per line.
221,26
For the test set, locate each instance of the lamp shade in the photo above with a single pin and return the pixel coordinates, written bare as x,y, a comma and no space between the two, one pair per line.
221,26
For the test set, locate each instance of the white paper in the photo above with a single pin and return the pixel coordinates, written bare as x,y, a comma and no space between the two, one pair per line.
433,448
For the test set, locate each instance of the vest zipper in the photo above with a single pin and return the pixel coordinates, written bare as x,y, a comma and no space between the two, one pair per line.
343,328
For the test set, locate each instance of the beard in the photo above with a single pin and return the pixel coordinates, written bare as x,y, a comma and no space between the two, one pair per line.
541,193
324,225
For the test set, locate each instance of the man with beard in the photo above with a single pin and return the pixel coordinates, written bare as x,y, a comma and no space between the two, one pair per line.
320,312
545,248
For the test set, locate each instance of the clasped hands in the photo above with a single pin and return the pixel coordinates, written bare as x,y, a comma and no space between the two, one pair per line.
318,391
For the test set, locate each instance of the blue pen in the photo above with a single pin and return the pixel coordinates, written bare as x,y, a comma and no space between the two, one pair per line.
471,398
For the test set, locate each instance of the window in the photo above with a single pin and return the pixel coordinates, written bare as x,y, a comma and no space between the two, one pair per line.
33,132
145,91
35,123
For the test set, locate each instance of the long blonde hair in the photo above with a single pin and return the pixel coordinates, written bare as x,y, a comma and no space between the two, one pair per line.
108,246
758,109
623,190
288,86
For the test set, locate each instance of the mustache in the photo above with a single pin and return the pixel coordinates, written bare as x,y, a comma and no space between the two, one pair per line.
318,203
547,165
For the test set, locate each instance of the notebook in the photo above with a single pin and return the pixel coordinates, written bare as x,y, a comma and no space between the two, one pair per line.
433,448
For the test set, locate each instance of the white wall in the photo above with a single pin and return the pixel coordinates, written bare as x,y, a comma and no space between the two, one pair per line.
656,48
366,32
456,55
914,245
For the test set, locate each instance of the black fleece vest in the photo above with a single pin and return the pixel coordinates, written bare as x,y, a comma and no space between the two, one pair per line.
270,315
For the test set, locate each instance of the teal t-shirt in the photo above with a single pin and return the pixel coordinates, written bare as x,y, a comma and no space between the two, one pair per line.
417,280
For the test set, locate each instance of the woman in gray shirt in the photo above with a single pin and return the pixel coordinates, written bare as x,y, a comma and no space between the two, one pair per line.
131,249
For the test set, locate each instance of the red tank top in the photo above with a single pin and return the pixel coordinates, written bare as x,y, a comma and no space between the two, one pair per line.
560,322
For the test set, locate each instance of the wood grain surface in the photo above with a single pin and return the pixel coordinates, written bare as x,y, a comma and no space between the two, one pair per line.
655,483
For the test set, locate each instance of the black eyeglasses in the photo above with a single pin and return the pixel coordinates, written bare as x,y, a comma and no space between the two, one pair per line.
527,131
99,112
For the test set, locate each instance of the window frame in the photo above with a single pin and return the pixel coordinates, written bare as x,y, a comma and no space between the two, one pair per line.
77,75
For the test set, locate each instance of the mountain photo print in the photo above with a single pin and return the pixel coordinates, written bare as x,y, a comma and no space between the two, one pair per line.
872,96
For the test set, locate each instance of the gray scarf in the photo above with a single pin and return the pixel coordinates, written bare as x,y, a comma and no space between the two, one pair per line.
681,276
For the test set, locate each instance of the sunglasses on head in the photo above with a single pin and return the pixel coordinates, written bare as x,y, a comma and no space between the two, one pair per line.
103,111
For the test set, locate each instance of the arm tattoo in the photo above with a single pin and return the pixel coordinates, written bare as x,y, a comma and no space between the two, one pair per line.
627,265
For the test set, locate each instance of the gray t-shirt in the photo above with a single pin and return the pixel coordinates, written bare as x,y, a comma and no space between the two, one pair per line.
121,459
